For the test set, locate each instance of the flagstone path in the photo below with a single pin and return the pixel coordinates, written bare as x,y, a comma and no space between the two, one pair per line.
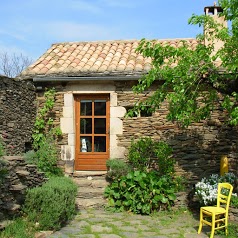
103,224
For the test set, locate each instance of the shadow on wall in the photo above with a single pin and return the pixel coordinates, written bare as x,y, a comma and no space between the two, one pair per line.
198,151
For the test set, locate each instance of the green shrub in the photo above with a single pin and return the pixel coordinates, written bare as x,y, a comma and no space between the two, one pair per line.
53,204
31,157
180,183
117,168
45,158
141,192
146,154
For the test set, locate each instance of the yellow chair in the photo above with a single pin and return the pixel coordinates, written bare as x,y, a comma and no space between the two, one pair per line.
217,216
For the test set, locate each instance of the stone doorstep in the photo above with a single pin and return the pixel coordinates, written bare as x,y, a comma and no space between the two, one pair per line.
88,173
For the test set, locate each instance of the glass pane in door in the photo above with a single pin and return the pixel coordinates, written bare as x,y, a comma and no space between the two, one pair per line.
100,143
100,125
100,107
86,108
86,126
86,144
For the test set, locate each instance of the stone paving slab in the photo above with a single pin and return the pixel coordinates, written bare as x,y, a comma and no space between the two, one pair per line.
103,224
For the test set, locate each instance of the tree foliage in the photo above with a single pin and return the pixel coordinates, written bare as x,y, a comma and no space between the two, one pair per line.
195,80
12,65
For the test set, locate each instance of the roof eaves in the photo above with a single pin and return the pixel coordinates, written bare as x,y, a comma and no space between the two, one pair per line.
86,78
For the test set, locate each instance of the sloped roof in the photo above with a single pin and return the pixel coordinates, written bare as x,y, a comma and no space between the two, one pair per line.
105,58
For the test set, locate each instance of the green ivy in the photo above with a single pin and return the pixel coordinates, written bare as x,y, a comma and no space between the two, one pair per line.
141,192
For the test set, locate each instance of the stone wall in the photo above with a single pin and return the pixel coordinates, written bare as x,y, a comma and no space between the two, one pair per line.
197,149
15,178
17,114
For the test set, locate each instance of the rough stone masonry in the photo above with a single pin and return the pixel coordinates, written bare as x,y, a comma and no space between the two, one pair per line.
17,114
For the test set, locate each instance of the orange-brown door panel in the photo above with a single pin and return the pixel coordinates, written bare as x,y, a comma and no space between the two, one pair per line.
92,131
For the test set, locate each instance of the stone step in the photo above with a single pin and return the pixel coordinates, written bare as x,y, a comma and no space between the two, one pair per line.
89,173
91,189
90,192
90,203
95,183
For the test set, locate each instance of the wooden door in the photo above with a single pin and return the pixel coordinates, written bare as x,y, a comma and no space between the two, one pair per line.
92,131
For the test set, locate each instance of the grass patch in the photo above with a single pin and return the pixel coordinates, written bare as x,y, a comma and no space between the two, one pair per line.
232,231
19,228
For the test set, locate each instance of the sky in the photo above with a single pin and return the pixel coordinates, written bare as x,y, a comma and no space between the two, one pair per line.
30,27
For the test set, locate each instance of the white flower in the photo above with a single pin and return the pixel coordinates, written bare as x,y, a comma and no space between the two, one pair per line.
206,190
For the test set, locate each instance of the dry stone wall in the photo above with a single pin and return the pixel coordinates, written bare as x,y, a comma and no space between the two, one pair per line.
197,149
17,114
15,178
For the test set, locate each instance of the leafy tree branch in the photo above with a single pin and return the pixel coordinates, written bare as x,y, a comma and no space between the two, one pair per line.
195,78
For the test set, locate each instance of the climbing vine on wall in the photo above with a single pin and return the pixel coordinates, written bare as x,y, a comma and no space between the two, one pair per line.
44,122
44,136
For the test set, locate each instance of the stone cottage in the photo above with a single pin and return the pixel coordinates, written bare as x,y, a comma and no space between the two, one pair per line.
94,83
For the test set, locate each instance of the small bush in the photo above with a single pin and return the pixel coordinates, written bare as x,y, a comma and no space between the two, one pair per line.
117,168
53,204
141,192
31,157
180,183
45,158
146,154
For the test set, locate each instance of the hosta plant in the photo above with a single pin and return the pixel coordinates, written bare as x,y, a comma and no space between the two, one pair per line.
141,192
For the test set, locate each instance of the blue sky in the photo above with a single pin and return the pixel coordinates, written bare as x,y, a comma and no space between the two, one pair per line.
31,26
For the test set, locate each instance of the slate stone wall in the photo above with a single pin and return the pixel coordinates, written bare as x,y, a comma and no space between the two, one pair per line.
197,149
17,114
15,178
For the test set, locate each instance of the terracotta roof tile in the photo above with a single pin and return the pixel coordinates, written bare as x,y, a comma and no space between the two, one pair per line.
111,57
